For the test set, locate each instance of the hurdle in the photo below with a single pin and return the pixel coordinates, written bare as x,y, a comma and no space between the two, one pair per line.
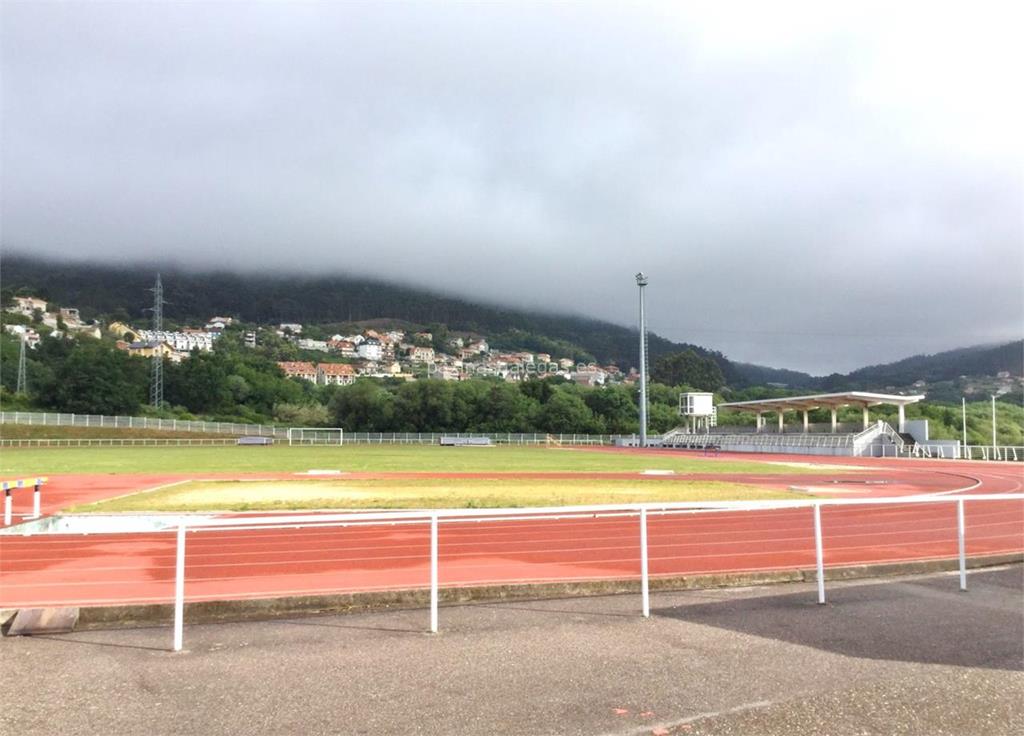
12,485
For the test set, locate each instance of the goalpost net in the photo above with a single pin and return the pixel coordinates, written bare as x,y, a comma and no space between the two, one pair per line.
316,436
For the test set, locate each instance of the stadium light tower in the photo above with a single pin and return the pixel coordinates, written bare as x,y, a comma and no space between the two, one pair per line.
641,282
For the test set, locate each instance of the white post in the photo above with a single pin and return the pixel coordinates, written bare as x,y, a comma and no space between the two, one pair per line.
806,421
819,554
433,573
179,589
867,419
644,588
903,418
760,421
36,500
835,421
960,538
7,506
781,425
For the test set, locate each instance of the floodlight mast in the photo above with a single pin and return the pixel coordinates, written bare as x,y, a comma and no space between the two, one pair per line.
641,282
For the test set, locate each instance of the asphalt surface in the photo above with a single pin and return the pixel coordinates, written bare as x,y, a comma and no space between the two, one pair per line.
903,656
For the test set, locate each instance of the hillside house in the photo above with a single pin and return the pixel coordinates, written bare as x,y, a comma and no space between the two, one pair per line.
370,349
24,332
149,348
70,317
345,348
123,332
308,344
27,305
445,373
420,354
298,369
335,374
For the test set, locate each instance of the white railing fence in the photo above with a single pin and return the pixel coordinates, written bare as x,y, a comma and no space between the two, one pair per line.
122,442
262,430
54,419
642,512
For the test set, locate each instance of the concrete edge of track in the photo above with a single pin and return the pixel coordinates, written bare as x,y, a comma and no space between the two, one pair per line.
265,609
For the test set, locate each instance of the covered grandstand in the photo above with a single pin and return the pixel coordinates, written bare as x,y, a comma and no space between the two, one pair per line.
873,438
805,404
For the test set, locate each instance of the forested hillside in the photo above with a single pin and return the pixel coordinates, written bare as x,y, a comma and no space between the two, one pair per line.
195,297
945,366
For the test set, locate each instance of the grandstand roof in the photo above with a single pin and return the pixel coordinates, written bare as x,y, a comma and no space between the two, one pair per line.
816,401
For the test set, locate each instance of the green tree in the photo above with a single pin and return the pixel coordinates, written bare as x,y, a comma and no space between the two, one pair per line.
97,380
200,383
566,412
617,408
365,406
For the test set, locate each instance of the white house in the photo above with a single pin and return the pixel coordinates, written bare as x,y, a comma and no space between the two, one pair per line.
307,344
370,349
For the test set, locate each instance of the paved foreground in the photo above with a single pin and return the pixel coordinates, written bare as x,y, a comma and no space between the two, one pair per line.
907,656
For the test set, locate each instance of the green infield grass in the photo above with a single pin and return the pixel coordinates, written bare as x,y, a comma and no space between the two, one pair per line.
290,495
364,458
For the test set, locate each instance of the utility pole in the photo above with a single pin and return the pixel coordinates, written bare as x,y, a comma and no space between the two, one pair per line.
22,369
963,401
156,376
993,422
641,282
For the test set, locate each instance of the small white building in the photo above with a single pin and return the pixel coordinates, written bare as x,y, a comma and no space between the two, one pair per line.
698,407
307,344
24,332
370,349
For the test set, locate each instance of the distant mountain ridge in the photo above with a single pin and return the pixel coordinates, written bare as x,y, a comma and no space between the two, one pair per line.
981,360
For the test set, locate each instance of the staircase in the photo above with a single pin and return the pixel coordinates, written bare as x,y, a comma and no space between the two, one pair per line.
864,440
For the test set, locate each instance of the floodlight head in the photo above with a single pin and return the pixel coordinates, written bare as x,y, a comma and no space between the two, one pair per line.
641,280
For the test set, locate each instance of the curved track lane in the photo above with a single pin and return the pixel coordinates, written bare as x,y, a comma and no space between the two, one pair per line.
118,569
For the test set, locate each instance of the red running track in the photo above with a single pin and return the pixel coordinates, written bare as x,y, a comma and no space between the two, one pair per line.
139,568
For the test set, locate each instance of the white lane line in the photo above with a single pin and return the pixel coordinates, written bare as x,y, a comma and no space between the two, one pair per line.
668,725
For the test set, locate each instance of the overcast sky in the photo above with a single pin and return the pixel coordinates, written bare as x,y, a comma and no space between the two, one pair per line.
815,186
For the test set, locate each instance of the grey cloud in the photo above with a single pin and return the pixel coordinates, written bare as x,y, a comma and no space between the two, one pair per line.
806,191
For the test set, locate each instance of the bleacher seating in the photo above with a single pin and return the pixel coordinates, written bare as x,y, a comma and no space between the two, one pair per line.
683,440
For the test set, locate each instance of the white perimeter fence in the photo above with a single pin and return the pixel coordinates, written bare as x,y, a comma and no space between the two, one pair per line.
52,419
262,430
1009,453
641,512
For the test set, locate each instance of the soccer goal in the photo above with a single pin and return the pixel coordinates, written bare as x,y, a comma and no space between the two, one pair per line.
316,436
